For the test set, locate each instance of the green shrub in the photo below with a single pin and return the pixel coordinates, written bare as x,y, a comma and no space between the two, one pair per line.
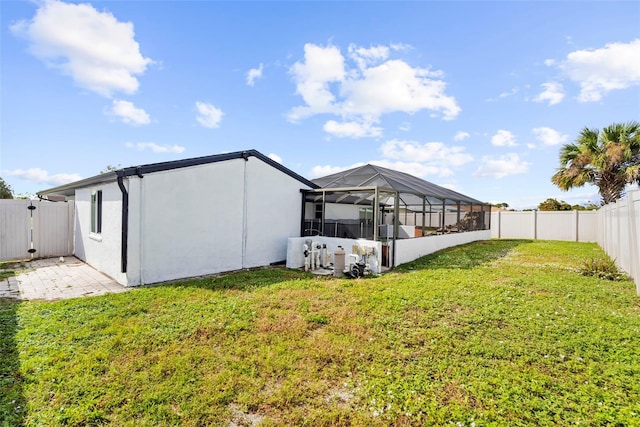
602,268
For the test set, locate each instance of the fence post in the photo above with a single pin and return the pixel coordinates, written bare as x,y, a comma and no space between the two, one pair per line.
577,229
535,224
71,221
36,238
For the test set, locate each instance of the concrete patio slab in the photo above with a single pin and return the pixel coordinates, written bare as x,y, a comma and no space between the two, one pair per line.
51,279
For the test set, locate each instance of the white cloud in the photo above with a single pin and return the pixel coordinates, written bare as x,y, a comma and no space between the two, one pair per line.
549,136
599,71
401,47
321,67
451,186
275,157
396,86
553,92
352,129
129,113
364,57
420,170
503,138
156,148
208,115
94,48
549,62
412,168
512,92
41,176
324,170
509,164
404,126
421,160
435,153
253,74
368,86
460,136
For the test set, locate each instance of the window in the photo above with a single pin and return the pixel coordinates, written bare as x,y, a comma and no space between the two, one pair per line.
319,211
96,211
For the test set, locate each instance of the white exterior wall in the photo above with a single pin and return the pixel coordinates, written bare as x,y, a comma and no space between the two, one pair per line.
101,251
189,221
411,249
274,204
210,218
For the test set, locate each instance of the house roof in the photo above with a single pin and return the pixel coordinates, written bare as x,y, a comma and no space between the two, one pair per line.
388,179
69,189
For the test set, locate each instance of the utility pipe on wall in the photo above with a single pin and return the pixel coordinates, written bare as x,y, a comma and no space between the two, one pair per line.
125,222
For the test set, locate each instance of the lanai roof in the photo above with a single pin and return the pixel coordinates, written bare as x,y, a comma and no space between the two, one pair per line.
388,179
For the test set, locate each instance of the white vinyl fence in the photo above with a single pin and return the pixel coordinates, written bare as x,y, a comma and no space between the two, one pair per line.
619,233
576,226
35,229
615,227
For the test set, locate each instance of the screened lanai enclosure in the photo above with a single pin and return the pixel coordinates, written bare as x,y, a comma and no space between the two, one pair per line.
384,205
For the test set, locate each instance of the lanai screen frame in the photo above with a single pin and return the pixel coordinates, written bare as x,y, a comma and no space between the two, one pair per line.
373,196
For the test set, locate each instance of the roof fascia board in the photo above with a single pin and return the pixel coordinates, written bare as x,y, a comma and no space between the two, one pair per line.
175,164
87,182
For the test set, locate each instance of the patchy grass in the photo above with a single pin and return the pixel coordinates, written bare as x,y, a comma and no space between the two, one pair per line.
11,268
491,333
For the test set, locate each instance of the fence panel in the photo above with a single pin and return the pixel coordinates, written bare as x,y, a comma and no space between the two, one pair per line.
512,225
557,225
49,227
53,229
14,229
575,226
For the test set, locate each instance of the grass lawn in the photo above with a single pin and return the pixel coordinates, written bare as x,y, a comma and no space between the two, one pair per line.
504,332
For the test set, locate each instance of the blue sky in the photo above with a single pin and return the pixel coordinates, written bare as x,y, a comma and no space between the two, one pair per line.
474,96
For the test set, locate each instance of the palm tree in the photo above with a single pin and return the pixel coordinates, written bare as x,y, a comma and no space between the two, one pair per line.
609,160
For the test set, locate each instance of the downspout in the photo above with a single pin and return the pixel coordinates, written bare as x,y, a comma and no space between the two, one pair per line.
125,222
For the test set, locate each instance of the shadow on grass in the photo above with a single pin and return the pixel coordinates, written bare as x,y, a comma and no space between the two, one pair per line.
245,280
12,401
466,256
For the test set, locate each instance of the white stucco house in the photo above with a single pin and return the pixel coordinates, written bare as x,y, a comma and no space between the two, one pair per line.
164,221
